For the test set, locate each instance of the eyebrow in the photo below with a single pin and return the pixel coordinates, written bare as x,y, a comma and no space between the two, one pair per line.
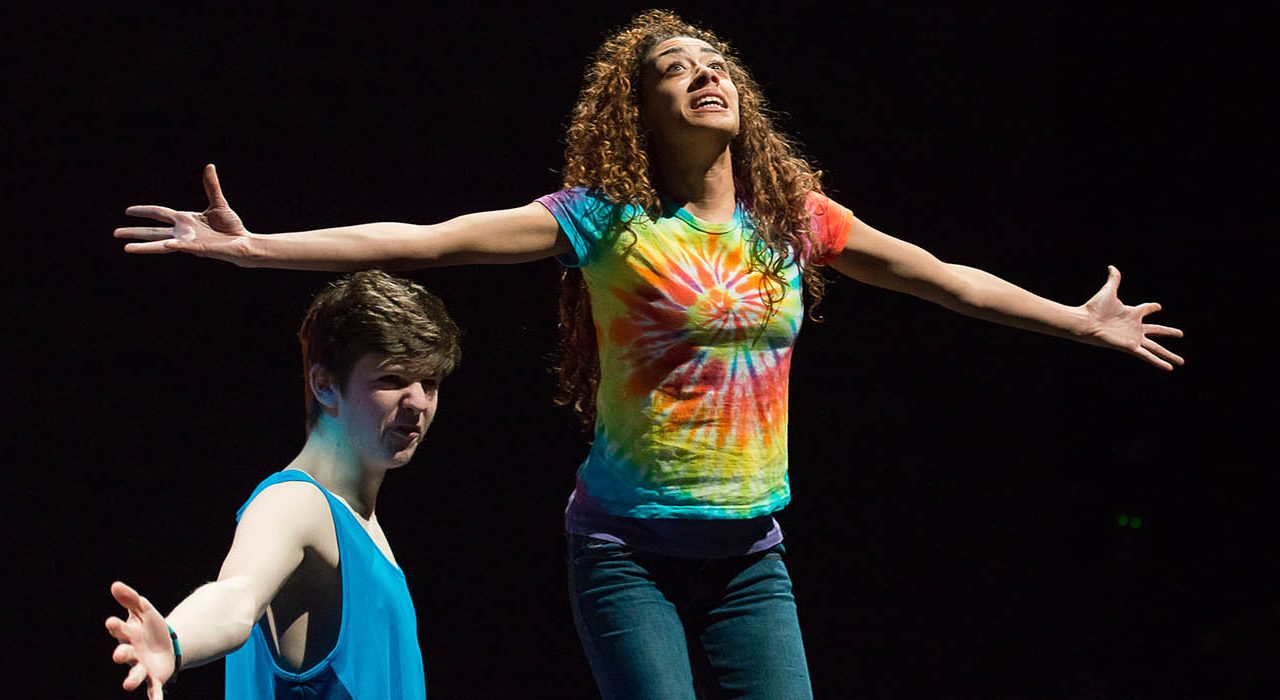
681,49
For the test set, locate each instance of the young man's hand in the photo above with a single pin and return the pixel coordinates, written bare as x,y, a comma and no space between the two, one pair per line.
144,642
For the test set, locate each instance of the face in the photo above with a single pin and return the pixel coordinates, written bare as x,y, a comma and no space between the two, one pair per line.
686,89
385,410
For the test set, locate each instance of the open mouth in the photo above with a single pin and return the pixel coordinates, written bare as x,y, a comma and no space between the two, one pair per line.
709,103
408,433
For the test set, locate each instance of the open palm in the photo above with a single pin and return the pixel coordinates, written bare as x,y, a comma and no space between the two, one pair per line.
1116,325
144,643
216,232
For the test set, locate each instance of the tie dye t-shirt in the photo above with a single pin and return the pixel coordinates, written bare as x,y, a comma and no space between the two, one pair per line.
691,412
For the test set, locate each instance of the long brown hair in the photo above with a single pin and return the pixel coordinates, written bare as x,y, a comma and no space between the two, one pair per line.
607,150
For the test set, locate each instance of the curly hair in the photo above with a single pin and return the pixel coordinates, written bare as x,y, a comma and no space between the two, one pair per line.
607,150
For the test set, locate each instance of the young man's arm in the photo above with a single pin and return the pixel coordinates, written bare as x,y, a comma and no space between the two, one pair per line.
275,530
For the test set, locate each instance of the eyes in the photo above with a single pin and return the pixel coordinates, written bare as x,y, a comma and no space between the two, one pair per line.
400,381
718,65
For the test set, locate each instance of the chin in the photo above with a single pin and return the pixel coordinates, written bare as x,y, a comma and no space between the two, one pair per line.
399,459
723,127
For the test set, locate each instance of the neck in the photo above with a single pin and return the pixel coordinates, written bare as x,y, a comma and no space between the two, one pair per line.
328,459
700,179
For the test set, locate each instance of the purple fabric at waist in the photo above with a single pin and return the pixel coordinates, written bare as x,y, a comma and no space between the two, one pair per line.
694,539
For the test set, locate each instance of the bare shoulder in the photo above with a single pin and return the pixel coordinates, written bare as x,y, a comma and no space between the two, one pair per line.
296,512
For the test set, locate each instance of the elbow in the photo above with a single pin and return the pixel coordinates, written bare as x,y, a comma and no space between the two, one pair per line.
963,293
243,606
235,635
395,247
240,613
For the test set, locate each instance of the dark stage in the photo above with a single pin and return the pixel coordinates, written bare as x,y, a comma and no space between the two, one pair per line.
959,488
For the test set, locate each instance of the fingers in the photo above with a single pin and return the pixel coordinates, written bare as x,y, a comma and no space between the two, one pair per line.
1148,308
1156,329
152,211
1149,329
116,628
1160,351
145,233
131,600
1158,355
153,248
125,654
1113,277
137,674
212,189
1150,357
126,596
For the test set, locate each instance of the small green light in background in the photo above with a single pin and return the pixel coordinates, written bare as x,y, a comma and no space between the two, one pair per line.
1126,520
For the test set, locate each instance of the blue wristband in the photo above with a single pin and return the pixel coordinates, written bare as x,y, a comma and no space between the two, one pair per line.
177,653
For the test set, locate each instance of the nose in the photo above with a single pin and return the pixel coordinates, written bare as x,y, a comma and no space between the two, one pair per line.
415,398
705,75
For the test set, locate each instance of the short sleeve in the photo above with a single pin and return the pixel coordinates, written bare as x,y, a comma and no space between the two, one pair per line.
585,216
829,223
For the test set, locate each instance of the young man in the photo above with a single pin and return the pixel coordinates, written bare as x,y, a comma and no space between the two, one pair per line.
309,600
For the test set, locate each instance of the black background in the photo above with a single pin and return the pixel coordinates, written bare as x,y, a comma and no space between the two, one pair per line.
956,484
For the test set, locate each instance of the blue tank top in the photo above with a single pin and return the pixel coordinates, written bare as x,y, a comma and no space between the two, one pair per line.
377,656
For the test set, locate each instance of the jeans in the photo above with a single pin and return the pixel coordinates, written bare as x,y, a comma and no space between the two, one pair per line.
654,626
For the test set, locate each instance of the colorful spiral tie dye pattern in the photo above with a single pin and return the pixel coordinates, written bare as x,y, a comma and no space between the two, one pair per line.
691,417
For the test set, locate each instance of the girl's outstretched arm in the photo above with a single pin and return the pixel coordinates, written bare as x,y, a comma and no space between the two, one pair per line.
503,236
884,261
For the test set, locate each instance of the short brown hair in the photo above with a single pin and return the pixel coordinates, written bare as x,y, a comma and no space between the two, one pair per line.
374,312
